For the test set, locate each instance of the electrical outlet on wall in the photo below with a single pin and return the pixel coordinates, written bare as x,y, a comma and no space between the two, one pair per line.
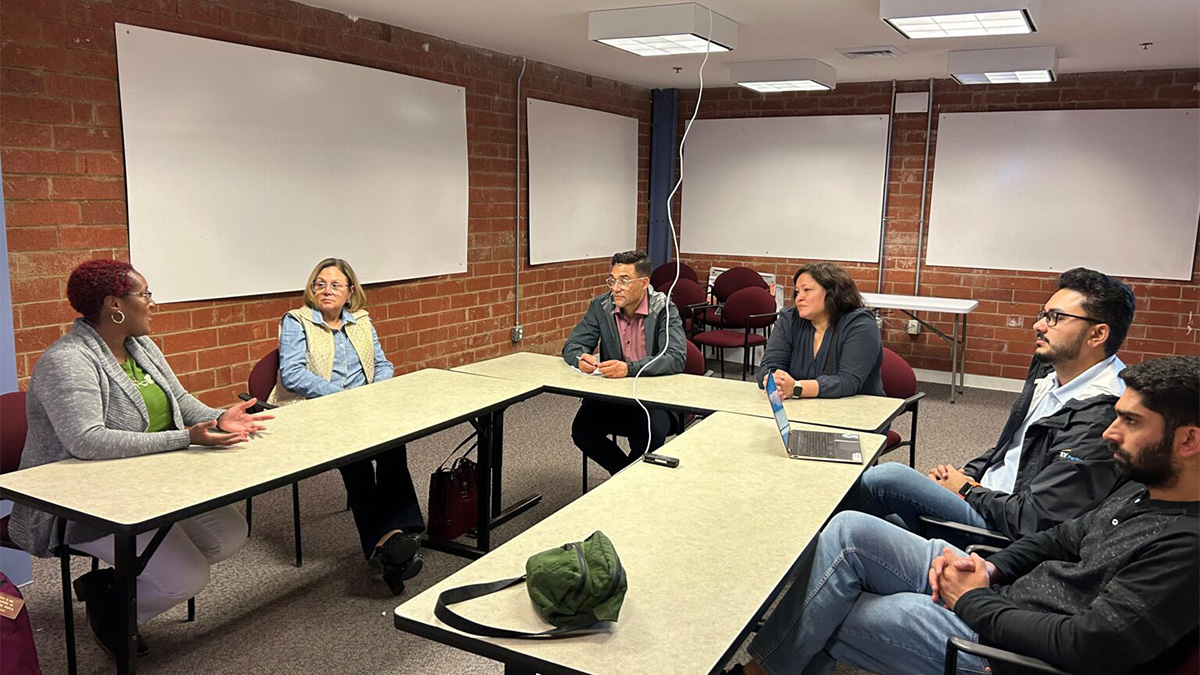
914,327
1014,322
518,333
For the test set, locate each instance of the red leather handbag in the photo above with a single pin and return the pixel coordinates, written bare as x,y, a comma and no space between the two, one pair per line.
454,495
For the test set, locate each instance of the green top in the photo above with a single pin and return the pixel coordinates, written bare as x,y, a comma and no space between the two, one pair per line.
157,404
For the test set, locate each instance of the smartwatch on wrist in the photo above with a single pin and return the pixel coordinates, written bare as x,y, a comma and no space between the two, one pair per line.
797,390
966,487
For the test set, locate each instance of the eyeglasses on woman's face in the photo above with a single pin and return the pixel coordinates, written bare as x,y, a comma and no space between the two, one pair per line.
336,287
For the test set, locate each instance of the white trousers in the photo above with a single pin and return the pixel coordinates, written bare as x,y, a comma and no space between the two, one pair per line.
178,570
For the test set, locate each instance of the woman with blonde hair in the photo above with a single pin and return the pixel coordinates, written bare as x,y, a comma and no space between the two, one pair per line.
328,346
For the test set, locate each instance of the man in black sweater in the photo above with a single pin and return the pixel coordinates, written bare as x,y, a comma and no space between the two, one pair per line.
1107,592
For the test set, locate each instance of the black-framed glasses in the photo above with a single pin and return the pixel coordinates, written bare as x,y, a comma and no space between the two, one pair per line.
620,283
145,294
1052,316
336,287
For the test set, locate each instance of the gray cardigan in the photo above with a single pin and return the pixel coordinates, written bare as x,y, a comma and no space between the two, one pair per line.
600,326
82,405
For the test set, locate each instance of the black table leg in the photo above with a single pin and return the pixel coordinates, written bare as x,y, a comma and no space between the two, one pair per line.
125,562
487,452
497,460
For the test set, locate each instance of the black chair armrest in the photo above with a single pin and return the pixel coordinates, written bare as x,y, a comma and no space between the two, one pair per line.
964,529
983,550
258,405
993,654
762,316
911,402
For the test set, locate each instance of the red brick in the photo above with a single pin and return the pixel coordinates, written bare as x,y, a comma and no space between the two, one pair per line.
103,164
221,356
26,187
94,236
35,339
32,239
83,138
34,289
205,338
19,55
81,88
197,381
85,38
27,214
37,161
23,82
103,213
172,322
93,64
49,313
88,188
46,263
35,109
22,135
243,332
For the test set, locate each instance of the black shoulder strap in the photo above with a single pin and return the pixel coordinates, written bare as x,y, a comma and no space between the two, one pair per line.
471,591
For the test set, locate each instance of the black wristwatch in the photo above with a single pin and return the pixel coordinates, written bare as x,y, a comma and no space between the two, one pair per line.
966,487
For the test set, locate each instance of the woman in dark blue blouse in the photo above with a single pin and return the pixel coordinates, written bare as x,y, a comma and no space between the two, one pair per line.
827,344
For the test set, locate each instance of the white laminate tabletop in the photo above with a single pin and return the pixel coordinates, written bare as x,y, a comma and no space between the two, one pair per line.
692,392
127,492
920,303
704,546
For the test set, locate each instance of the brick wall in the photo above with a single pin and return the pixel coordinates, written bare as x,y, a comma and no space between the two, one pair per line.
1168,313
63,172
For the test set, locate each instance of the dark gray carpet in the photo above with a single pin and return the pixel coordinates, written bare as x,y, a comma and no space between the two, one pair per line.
261,614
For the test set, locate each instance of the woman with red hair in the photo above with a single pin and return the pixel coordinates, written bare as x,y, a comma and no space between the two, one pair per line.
104,391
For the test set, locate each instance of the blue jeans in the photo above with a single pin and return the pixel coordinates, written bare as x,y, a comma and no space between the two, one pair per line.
892,488
867,603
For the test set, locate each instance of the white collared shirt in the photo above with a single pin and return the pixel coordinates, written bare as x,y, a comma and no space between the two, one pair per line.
1048,398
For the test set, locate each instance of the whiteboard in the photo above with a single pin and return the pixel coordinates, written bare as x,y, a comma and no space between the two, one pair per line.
583,172
785,187
1113,190
245,167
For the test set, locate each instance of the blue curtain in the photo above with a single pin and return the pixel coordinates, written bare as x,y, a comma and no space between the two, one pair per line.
663,149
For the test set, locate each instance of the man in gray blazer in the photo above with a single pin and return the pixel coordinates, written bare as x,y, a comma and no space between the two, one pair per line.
632,324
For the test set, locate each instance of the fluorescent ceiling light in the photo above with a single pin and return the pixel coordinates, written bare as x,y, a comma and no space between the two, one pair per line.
663,30
792,75
920,19
1020,65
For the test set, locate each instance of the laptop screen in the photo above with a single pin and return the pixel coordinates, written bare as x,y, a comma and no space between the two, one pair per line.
777,409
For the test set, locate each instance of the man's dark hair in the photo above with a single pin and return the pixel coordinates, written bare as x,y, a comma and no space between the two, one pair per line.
841,294
1105,299
1169,386
639,260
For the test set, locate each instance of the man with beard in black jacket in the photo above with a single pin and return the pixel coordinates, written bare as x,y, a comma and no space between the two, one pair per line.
1114,591
1050,463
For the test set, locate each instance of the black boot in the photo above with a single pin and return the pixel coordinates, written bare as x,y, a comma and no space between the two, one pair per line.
96,589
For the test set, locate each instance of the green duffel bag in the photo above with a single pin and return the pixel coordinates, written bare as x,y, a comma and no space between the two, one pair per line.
576,587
